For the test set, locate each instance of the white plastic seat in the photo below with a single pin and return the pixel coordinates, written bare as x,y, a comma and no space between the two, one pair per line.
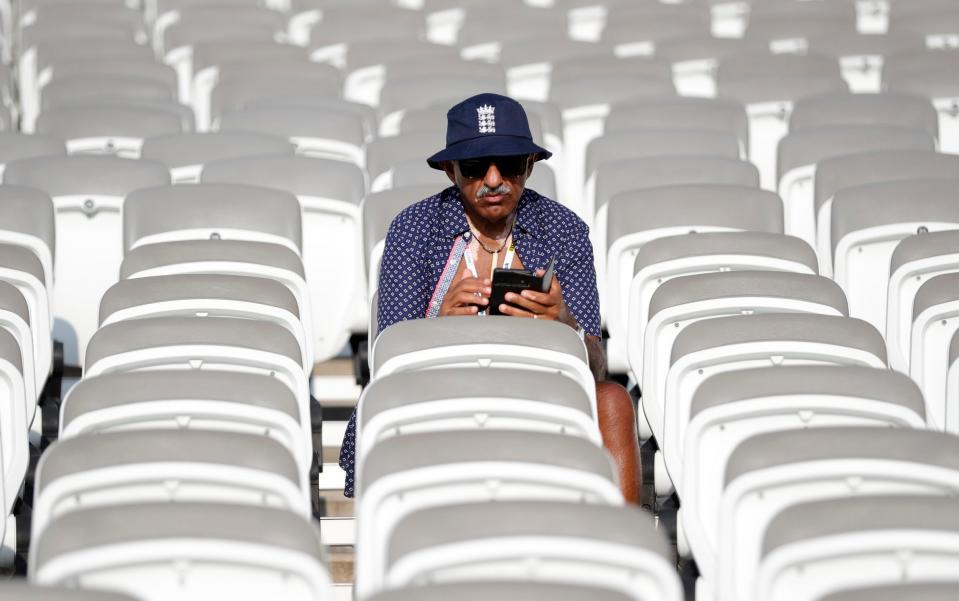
663,259
223,58
917,591
88,193
116,129
17,590
201,343
933,326
787,27
222,257
96,88
383,153
893,109
635,218
731,344
694,59
317,133
599,545
205,400
327,21
914,261
800,151
335,40
858,541
586,99
768,85
22,269
729,408
27,218
493,341
378,211
941,86
861,56
186,154
15,146
682,301
329,193
952,388
869,221
505,591
368,61
837,173
637,30
529,61
404,474
184,550
365,112
206,295
816,464
166,466
466,399
14,444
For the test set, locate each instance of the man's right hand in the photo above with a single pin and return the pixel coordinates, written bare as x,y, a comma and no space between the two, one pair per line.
467,296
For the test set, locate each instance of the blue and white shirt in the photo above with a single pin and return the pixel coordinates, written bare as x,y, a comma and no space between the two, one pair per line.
418,246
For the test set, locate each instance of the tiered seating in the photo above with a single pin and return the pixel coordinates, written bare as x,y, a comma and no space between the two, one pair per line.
802,143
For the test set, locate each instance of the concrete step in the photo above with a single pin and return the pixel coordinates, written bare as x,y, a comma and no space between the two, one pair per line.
341,564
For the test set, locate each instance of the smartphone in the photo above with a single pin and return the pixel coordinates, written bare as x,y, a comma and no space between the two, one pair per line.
517,280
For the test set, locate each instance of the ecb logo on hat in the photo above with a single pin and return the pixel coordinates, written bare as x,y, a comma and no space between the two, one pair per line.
487,119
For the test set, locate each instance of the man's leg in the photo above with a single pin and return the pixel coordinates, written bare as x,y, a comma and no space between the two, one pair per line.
617,424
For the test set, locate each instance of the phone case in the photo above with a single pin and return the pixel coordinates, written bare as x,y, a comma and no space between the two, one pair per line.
510,280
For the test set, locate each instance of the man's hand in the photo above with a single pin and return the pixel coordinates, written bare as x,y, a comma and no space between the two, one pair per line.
465,294
538,305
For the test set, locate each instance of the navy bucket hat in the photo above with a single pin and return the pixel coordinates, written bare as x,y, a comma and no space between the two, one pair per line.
486,125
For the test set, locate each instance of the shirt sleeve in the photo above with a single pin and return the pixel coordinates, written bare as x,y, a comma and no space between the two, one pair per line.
402,291
577,276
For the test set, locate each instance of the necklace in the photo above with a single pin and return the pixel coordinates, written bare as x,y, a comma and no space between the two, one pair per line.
492,251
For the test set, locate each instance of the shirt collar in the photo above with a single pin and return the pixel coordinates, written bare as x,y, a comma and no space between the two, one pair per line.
452,222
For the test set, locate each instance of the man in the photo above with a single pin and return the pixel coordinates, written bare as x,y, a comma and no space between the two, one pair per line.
440,254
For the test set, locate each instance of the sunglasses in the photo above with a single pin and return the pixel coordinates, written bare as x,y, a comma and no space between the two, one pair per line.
509,166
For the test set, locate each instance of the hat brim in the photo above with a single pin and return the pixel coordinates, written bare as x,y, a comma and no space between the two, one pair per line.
488,146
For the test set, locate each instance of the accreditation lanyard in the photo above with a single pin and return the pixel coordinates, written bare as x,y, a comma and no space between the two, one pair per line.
471,264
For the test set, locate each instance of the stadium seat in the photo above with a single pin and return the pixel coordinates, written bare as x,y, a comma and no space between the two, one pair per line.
329,193
22,269
800,151
769,85
856,541
627,144
529,61
184,550
861,55
64,90
464,399
816,464
186,154
89,194
637,217
207,295
731,407
18,590
482,30
731,344
694,60
506,591
586,99
868,221
15,146
204,400
917,591
939,83
365,112
116,129
334,40
404,474
154,466
383,153
787,26
27,220
886,109
494,341
223,58
598,545
708,114
637,30
914,261
834,174
334,16
682,301
952,389
933,327
13,428
367,63
378,211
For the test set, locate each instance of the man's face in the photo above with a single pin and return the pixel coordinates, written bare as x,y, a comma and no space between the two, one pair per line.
491,185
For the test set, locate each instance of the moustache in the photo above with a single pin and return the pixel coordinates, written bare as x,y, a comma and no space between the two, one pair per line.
500,190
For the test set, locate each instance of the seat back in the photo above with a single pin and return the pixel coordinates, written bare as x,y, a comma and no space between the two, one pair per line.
186,154
933,327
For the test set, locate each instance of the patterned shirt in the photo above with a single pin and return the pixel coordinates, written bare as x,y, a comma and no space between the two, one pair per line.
418,247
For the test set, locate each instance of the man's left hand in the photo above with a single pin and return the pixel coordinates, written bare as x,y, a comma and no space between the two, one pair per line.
535,304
